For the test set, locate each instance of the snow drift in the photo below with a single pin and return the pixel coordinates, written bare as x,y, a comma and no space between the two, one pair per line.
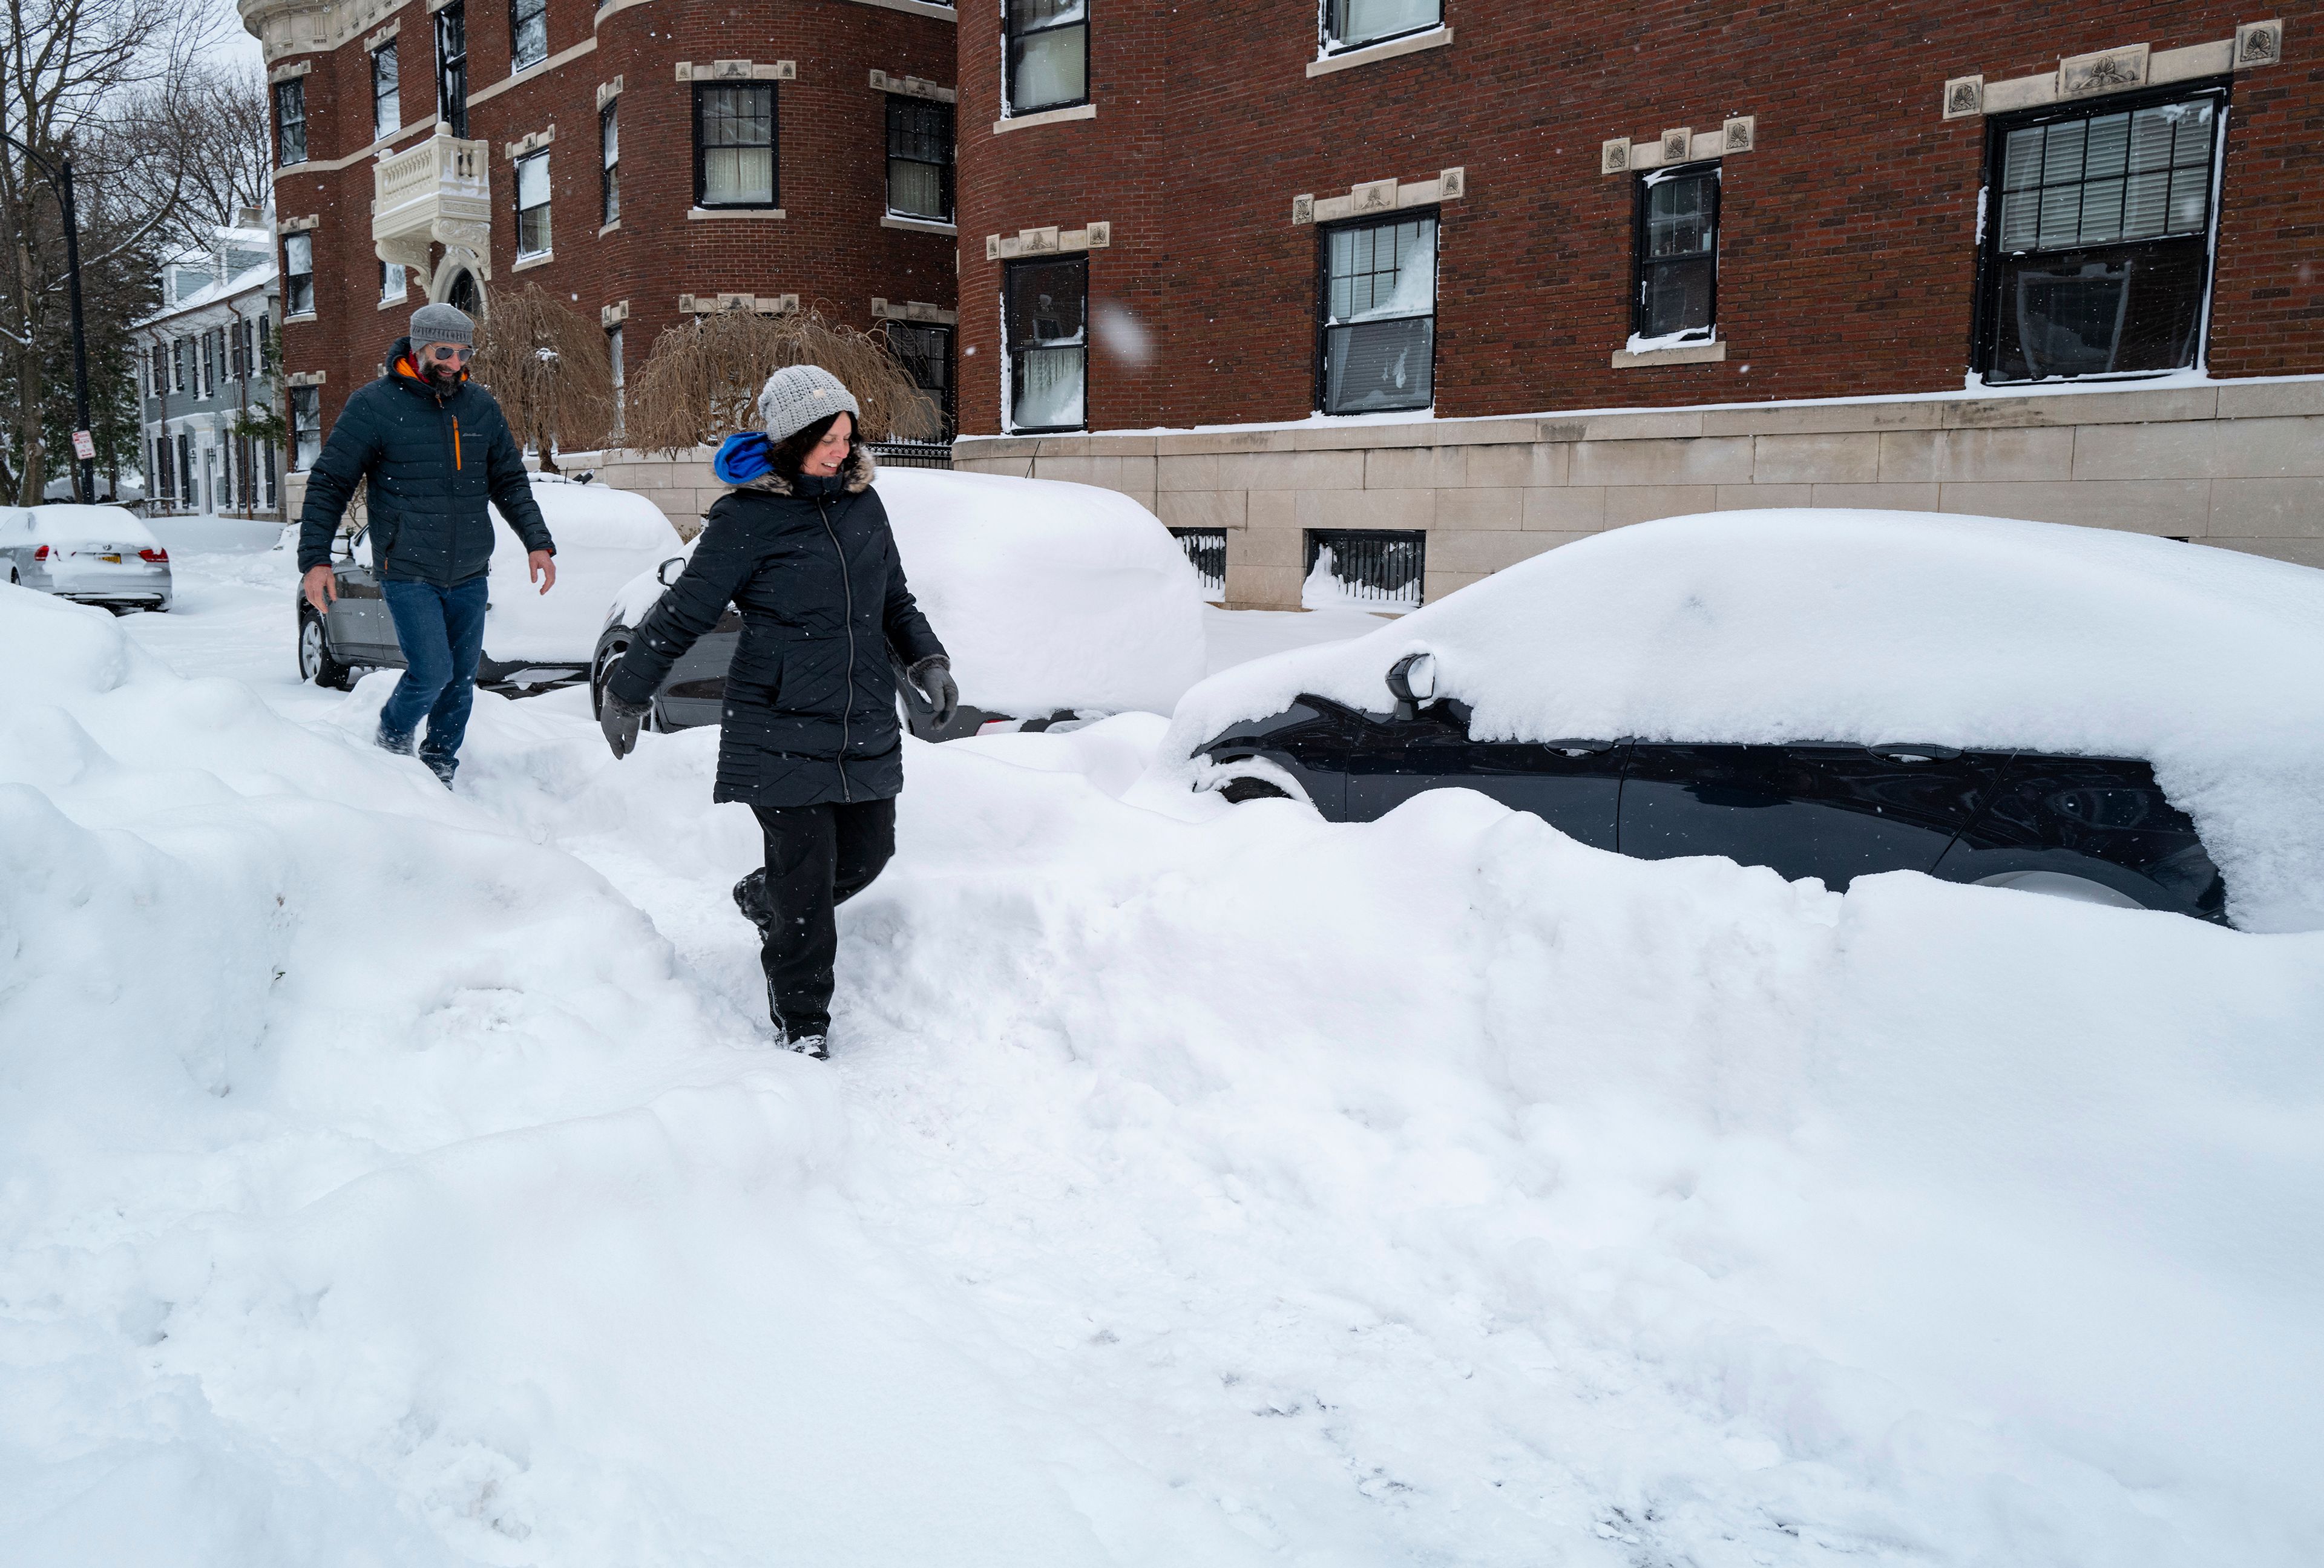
1872,626
604,537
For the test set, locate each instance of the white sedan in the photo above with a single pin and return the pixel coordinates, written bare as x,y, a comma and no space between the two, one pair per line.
94,555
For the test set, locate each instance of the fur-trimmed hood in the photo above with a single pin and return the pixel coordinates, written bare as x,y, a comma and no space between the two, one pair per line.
858,472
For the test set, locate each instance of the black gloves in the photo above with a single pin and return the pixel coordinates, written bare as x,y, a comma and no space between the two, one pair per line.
933,675
620,722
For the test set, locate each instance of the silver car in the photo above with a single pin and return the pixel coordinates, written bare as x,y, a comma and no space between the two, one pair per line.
94,555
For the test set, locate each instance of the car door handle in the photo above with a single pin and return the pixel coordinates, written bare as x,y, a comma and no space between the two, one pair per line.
1912,751
1570,747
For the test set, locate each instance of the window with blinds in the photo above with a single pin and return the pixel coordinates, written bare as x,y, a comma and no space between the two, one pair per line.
1378,316
2097,238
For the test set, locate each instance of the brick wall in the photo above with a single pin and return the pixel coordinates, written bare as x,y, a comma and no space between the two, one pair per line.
830,247
1847,244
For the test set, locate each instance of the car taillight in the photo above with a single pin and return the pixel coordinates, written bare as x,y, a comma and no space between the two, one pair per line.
40,554
157,555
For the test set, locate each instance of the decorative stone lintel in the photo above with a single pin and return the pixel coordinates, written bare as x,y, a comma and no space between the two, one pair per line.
752,304
611,315
1680,145
383,36
1382,196
2120,69
738,70
1047,242
298,225
607,92
883,309
533,143
2105,70
283,73
307,377
912,86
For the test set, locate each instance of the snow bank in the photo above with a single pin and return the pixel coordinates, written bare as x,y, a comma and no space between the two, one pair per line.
1047,595
1868,626
376,1186
605,538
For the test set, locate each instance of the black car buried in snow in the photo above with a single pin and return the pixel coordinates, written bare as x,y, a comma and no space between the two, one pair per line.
1676,647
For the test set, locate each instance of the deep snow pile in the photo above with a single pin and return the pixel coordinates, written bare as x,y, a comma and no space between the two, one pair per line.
1192,1184
1872,626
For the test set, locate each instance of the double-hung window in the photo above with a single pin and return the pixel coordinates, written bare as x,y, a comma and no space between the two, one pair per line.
532,206
391,284
1378,314
209,369
160,371
299,275
609,162
925,352
734,146
386,92
452,66
1353,23
291,122
621,381
177,364
306,425
920,158
1674,293
1045,320
528,34
1048,50
2098,238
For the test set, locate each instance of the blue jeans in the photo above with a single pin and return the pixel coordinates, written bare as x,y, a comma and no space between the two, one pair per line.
442,631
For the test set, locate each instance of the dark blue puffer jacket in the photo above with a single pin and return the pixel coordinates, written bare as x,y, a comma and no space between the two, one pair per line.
433,458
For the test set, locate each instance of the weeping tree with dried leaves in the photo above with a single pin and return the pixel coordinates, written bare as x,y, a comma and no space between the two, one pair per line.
702,383
548,367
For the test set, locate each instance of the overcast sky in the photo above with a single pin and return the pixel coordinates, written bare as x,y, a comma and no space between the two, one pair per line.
233,43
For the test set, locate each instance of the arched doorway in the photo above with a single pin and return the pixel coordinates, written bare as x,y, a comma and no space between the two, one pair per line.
463,294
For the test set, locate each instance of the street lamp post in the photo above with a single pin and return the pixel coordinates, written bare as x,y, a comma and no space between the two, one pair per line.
59,177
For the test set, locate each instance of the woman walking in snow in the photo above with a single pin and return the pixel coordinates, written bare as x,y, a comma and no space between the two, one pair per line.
810,742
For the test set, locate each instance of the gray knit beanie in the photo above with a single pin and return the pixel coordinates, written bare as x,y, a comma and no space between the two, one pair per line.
797,395
441,324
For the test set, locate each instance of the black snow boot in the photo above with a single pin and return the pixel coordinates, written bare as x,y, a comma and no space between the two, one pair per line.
751,897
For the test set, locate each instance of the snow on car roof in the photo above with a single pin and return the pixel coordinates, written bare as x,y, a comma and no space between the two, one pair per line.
1863,627
94,524
598,516
1047,595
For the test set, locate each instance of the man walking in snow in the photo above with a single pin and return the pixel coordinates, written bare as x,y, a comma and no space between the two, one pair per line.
435,449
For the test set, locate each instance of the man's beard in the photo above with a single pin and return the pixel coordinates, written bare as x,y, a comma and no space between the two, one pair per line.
443,375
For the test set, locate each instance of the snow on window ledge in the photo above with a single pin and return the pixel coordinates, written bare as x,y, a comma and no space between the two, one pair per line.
538,259
1412,43
1678,348
918,225
1044,117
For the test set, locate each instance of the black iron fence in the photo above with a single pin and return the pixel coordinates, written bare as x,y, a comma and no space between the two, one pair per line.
1206,548
1367,567
911,454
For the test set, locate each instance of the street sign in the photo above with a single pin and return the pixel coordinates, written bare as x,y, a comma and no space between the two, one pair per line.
84,447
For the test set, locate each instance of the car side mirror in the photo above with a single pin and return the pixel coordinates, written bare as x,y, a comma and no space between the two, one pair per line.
343,545
669,571
1412,681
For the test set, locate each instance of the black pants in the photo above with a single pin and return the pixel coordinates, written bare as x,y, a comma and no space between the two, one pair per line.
818,858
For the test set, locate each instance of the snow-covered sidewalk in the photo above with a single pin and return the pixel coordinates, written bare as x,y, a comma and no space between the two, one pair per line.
387,1176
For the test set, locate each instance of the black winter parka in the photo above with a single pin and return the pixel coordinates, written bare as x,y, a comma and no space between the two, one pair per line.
810,710
433,458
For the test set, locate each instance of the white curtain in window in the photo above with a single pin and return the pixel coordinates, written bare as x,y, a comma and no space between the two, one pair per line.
1052,67
1050,386
1361,21
915,189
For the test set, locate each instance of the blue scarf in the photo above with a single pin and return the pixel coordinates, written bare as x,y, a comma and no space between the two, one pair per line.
742,458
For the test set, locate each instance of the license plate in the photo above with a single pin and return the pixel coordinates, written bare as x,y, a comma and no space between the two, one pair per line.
115,560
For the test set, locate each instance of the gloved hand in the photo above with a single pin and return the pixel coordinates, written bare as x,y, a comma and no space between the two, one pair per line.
933,675
620,721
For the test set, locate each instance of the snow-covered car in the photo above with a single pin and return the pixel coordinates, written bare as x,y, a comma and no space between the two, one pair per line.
531,640
1058,603
94,555
1832,694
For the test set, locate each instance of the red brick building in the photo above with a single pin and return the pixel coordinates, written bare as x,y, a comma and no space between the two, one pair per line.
641,158
1420,253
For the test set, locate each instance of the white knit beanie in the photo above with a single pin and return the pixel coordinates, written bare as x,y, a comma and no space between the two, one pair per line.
797,395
